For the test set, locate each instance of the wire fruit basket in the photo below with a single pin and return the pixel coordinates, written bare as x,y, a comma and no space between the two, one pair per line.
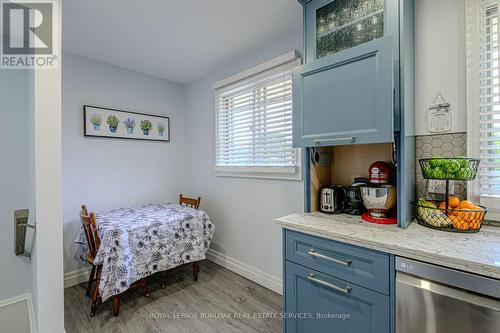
460,168
450,214
432,214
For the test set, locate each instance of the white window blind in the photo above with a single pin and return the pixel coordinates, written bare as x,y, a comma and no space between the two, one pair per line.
489,107
254,122
483,102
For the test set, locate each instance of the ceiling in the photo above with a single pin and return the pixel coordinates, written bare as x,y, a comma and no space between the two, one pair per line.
177,40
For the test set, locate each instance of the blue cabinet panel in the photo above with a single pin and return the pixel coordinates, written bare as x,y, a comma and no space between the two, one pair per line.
364,267
345,98
406,145
317,303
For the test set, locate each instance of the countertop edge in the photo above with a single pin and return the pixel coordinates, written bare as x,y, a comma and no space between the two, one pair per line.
432,258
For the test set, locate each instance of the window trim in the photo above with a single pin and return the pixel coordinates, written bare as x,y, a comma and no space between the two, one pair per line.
264,172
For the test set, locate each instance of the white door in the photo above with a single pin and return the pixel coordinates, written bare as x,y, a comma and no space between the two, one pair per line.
31,274
17,191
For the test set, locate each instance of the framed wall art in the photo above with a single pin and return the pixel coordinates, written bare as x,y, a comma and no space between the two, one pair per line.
113,123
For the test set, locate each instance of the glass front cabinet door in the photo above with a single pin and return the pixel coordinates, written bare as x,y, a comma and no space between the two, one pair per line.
336,25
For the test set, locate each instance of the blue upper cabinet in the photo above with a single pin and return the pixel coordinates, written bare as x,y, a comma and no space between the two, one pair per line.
346,97
348,90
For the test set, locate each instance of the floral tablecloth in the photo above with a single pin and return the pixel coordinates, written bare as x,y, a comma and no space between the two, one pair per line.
139,241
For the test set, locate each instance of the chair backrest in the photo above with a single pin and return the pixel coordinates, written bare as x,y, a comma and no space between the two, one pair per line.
90,228
193,203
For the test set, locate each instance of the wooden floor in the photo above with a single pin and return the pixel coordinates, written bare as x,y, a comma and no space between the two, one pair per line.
218,292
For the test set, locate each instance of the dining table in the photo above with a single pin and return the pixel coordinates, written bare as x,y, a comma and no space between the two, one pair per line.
139,241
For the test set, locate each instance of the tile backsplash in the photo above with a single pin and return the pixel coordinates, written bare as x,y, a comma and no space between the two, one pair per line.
443,145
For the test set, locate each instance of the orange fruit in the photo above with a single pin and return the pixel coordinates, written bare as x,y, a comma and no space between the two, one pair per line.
453,201
479,212
442,206
475,225
466,204
462,220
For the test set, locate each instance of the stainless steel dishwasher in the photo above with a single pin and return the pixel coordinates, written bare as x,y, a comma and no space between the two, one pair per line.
435,299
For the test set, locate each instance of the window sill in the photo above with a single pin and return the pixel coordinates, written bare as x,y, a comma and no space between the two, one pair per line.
282,173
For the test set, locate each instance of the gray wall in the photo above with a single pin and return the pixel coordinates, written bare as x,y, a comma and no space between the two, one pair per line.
109,173
243,210
16,176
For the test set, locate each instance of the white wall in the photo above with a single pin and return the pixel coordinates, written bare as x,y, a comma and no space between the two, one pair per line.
440,59
109,173
243,210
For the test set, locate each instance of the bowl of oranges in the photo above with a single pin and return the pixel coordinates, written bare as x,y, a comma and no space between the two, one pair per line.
454,215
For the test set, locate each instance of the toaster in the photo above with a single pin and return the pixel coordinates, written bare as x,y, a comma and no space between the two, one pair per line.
332,199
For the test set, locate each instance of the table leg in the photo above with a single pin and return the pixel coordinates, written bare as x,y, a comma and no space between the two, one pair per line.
116,305
196,270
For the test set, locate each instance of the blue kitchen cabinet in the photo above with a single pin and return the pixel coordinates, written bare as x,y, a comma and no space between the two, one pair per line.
331,286
348,90
316,302
346,97
357,84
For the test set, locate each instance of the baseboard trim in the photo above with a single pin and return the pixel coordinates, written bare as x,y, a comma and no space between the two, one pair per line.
253,274
76,277
31,311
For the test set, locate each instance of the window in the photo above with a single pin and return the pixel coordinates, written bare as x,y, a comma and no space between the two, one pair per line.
253,114
483,95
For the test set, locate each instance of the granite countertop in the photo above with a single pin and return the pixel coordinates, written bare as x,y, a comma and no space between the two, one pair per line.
477,253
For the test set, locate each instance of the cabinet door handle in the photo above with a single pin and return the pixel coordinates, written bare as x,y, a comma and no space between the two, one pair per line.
313,253
312,278
350,139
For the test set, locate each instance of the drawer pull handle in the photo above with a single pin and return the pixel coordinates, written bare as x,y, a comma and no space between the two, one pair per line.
350,139
313,253
345,290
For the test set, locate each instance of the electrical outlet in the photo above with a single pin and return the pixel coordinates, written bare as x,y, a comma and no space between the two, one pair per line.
439,186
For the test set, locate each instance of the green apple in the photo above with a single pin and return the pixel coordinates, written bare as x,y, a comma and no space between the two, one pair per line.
464,163
427,172
435,162
463,174
438,173
451,166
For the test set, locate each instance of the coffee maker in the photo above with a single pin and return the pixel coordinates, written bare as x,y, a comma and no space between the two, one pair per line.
354,201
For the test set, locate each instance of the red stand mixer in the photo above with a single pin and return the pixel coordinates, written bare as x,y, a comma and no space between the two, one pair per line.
379,197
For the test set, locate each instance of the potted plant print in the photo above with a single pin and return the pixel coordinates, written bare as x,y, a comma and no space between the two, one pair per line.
129,125
161,129
113,123
95,120
146,126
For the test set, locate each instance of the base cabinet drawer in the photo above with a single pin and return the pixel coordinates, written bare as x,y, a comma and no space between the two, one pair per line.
367,268
318,303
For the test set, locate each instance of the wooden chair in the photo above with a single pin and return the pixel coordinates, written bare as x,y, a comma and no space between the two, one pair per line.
193,203
93,242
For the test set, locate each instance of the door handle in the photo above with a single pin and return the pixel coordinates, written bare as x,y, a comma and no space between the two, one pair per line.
20,226
313,253
349,139
345,290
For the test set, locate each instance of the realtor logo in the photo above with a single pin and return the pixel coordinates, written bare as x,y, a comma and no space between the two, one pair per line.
27,35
